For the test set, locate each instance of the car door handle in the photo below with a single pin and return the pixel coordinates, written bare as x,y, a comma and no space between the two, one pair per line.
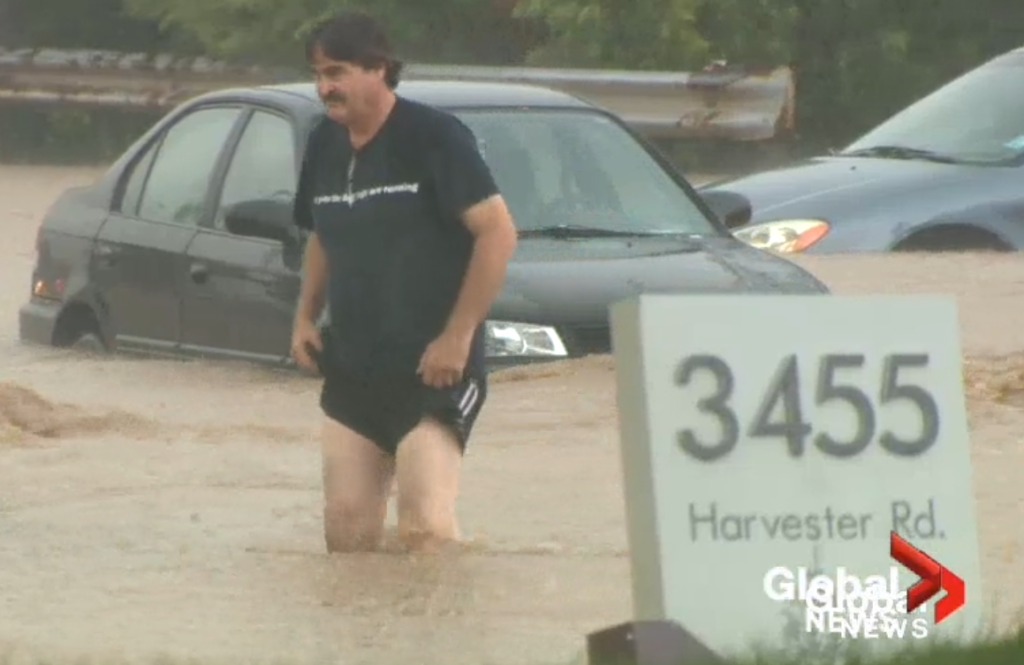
199,272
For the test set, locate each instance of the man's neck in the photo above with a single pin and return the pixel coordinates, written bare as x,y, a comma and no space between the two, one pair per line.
360,134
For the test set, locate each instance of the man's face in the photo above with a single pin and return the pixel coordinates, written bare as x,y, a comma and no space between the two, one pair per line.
346,89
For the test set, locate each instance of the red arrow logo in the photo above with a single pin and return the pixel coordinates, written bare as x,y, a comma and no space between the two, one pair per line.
934,577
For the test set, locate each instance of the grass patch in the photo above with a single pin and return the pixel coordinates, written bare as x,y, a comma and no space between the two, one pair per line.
1003,651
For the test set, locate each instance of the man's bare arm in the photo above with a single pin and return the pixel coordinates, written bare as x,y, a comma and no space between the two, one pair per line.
495,239
314,281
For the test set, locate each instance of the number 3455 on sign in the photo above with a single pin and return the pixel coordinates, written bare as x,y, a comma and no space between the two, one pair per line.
791,377
849,403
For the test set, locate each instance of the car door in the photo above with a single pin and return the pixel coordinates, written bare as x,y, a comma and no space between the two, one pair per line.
242,295
139,258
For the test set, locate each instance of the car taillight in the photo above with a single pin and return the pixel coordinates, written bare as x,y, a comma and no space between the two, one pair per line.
44,285
48,290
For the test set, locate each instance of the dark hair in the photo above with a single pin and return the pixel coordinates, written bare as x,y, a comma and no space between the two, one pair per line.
358,38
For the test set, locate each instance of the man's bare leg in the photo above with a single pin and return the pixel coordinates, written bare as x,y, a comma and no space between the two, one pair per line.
357,479
428,463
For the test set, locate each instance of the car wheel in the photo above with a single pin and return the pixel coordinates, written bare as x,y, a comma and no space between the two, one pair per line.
953,239
90,343
77,328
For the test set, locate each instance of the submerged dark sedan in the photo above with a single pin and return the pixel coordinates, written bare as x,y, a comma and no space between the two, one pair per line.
186,246
946,173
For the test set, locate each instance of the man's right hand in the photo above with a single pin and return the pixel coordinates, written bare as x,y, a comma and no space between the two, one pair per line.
305,334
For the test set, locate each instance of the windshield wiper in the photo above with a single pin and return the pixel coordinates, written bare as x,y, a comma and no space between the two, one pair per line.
565,231
902,152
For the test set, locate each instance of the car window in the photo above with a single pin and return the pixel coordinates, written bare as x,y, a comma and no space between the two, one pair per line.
581,167
530,174
133,188
978,116
179,179
263,166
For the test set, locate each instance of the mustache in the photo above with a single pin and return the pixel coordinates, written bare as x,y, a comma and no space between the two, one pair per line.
335,97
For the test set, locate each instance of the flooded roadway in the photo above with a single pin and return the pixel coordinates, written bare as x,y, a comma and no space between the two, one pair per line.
164,507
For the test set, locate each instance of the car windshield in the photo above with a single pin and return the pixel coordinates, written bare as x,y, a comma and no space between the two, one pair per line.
581,171
978,117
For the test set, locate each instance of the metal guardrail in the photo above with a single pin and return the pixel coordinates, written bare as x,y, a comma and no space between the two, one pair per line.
724,102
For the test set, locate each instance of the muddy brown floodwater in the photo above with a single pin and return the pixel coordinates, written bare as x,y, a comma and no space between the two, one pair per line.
161,507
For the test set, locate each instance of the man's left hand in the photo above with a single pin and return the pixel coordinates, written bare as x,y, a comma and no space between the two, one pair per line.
444,360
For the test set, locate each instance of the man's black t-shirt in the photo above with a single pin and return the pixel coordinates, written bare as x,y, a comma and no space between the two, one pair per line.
389,219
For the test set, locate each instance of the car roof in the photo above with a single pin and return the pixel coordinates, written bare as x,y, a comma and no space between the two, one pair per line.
460,94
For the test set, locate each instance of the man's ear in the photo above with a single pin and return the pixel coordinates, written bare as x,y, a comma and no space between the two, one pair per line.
380,70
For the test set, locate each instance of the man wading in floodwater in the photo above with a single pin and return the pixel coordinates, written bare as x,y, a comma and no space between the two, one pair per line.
410,243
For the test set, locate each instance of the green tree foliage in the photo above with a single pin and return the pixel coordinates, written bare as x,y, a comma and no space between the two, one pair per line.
625,34
255,30
270,30
857,61
88,24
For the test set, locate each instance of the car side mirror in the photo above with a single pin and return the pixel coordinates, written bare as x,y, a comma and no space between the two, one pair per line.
732,209
262,218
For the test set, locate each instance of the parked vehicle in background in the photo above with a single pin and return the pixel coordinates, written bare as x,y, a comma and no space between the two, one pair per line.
186,246
945,173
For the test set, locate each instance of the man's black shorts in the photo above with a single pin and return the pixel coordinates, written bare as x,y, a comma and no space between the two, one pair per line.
385,411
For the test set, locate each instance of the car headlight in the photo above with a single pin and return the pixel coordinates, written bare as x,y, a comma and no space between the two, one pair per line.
786,236
505,339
